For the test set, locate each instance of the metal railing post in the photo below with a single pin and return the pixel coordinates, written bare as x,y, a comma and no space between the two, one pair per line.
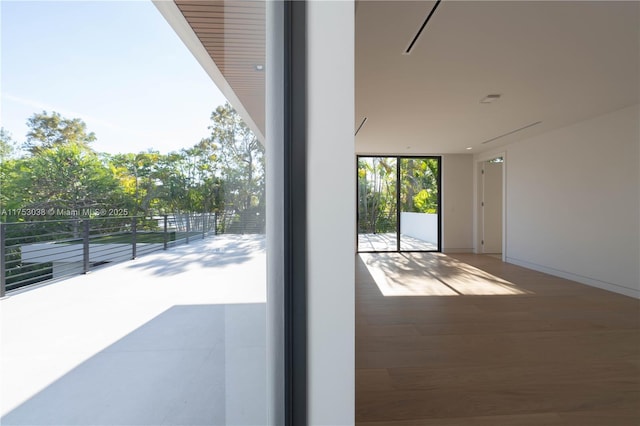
215,224
188,226
204,229
85,246
3,259
165,232
134,235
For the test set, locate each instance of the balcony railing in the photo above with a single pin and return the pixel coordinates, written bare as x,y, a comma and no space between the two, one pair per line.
38,251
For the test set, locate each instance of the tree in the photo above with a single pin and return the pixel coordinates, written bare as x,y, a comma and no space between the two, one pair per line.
377,194
12,186
199,167
222,173
173,192
61,171
7,145
70,177
139,177
377,201
241,162
418,177
9,172
47,131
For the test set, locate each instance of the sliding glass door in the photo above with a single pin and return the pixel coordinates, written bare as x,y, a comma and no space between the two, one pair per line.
419,204
398,204
377,204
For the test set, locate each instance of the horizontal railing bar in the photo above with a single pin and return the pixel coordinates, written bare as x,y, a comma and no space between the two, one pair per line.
79,219
126,249
67,245
149,249
92,256
35,237
111,234
61,269
29,272
32,266
43,258
62,248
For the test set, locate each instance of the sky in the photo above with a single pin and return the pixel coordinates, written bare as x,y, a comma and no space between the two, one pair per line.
117,65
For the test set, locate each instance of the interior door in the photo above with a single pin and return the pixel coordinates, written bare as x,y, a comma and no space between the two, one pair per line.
492,206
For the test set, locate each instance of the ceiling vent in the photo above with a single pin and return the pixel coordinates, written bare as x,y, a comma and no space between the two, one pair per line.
424,24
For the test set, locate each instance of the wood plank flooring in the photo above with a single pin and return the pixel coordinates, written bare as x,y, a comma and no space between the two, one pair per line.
468,340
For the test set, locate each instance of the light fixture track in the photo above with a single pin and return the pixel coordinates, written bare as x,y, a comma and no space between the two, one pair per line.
512,132
424,24
364,120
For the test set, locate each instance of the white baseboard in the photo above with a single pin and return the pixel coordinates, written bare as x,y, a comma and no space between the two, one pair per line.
457,250
616,288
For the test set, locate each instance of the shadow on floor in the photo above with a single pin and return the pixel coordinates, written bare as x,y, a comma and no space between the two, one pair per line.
190,365
218,251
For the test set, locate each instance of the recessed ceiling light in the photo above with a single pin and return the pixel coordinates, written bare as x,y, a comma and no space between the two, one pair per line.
490,98
259,67
469,147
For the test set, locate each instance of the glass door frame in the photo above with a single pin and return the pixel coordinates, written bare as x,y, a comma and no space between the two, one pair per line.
399,158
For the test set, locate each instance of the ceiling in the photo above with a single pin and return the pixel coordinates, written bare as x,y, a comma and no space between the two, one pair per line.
552,62
233,34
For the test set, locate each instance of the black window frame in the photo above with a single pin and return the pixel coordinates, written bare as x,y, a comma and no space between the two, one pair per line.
398,159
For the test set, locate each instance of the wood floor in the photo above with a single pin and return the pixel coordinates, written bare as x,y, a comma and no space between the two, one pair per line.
469,340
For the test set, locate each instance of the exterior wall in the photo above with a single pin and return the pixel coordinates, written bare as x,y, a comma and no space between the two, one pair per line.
423,226
331,207
573,202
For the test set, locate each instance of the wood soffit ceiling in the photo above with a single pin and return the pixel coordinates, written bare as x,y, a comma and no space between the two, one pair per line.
233,33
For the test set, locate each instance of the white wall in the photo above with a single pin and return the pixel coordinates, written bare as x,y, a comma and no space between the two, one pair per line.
423,226
573,202
457,203
331,213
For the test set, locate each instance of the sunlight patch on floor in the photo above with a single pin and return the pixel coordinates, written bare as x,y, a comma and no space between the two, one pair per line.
432,274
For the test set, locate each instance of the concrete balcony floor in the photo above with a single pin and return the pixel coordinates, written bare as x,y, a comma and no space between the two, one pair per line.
173,338
388,242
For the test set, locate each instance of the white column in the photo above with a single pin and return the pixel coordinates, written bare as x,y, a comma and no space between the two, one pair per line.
275,213
331,212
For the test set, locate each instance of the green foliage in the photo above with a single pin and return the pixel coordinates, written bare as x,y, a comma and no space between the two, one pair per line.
419,185
60,172
46,131
7,145
377,195
241,159
68,176
421,201
377,198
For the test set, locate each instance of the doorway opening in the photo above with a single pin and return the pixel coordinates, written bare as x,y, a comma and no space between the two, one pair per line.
398,203
491,206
